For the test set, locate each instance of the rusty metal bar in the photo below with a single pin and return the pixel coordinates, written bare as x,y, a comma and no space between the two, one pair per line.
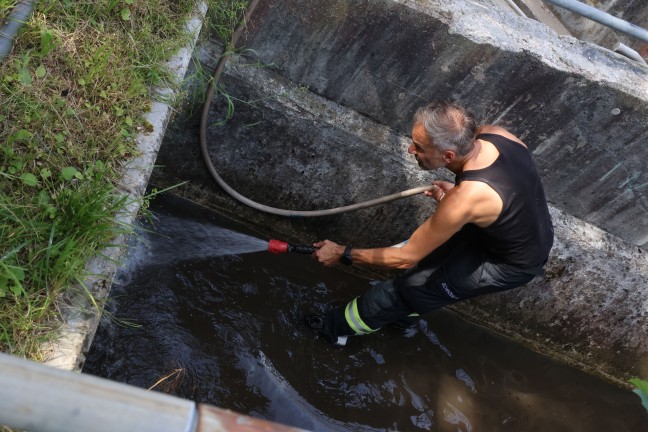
212,419
40,398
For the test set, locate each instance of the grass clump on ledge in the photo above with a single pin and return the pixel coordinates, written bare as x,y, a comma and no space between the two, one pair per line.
6,6
73,93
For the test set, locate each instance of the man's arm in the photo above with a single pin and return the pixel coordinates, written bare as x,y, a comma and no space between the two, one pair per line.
452,213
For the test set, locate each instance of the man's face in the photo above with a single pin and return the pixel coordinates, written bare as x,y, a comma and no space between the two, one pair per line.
426,154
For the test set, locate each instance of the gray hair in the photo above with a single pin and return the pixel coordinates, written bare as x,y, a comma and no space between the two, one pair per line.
448,125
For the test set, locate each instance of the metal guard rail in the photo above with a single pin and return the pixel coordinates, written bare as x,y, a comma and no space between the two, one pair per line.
602,18
39,398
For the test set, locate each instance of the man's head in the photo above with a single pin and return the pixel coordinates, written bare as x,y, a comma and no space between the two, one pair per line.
442,133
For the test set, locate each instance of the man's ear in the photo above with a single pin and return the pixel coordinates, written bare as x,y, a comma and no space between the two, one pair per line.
449,156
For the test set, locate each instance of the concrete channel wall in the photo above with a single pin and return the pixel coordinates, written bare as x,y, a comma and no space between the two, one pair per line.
582,109
329,91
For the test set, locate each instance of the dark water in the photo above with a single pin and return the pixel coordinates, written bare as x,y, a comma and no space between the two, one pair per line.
225,330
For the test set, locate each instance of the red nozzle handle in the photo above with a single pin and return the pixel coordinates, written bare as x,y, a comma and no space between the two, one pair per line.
277,246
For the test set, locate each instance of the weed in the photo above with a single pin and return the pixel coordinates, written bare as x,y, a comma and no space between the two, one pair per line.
6,6
74,91
169,383
224,16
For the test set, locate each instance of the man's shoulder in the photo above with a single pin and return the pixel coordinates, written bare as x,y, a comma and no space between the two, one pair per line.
497,130
472,192
478,201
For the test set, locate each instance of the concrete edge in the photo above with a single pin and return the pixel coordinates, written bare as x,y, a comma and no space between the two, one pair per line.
594,62
79,312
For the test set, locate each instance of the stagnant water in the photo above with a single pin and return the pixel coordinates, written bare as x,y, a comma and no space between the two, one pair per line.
196,314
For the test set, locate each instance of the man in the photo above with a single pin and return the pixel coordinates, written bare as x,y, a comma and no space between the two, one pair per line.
491,230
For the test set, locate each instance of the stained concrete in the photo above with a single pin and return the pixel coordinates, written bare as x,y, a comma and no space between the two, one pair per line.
326,124
590,309
581,108
539,11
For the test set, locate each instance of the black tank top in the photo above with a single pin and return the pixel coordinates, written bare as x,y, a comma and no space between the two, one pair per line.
523,233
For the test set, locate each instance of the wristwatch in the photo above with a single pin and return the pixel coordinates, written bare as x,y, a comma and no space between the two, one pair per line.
346,256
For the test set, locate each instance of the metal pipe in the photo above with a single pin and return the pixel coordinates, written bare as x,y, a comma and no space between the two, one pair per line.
602,18
41,398
516,8
629,52
12,24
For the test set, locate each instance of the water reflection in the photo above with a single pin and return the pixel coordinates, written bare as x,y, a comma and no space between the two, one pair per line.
226,330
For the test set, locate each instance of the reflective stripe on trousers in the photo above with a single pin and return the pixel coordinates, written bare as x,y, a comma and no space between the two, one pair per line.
353,318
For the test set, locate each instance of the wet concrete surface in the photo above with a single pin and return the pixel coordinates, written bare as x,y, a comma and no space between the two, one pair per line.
225,330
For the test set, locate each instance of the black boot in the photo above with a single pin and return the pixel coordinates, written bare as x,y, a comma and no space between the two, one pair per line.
322,325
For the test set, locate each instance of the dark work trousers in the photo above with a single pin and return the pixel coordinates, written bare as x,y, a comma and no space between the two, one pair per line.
458,270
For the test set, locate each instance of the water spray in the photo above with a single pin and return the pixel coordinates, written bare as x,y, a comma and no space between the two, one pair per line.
278,246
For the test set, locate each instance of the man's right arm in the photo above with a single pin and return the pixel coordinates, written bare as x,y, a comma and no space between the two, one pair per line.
450,217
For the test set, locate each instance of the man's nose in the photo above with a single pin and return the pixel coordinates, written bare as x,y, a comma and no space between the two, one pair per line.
411,149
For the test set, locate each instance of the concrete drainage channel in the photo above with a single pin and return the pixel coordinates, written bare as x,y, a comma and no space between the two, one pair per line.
573,324
357,74
341,94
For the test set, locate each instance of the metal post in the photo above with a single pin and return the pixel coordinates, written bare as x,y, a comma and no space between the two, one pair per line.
602,18
41,398
13,23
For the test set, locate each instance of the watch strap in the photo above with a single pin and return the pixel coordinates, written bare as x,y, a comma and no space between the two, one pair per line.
346,258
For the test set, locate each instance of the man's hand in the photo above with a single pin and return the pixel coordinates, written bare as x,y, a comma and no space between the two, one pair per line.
329,252
439,190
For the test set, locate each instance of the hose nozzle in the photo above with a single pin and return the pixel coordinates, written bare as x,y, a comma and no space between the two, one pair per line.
278,246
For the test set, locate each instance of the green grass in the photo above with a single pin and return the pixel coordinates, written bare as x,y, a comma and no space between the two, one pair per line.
6,6
74,92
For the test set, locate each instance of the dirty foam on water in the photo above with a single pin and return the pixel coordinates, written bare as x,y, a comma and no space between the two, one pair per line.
224,329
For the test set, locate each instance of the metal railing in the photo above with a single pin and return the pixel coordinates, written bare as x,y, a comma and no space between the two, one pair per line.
602,18
39,398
